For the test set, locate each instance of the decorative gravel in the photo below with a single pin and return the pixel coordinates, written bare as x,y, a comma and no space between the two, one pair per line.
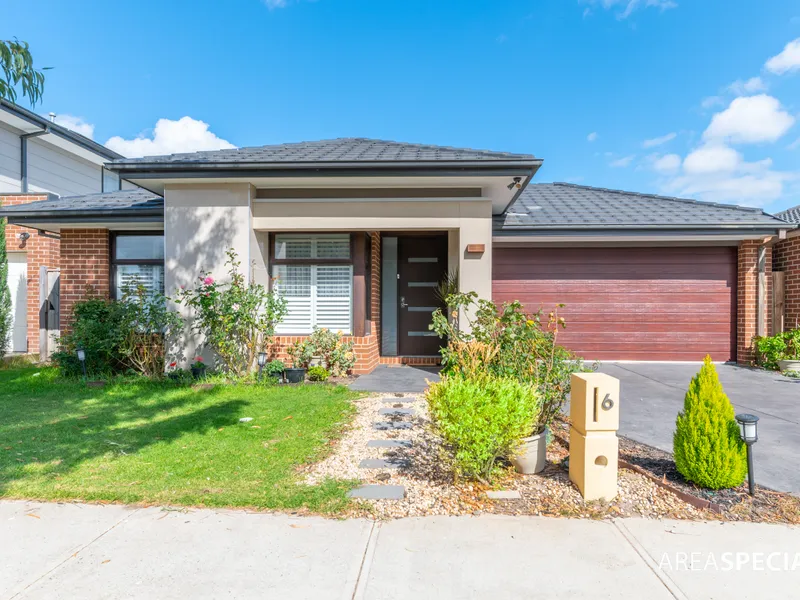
430,487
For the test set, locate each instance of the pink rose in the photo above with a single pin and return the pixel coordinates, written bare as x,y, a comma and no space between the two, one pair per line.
208,280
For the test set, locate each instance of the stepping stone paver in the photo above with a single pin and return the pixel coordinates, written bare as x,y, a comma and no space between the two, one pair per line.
503,495
389,444
383,463
387,425
396,411
397,400
378,492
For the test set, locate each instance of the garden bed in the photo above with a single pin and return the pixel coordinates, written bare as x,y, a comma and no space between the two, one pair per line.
430,489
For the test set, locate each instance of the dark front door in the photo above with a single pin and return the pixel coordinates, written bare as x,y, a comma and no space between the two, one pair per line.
422,264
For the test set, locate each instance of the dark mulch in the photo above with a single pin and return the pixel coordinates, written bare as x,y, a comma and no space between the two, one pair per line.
736,503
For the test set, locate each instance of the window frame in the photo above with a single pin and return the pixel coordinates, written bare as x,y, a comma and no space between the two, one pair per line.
311,262
114,262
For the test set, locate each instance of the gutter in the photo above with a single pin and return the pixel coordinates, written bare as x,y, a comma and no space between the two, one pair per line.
23,156
64,215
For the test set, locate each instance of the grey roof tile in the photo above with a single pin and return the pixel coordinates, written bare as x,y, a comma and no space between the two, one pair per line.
569,206
792,215
129,200
337,150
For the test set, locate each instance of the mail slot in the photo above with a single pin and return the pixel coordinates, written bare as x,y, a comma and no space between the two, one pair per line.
593,443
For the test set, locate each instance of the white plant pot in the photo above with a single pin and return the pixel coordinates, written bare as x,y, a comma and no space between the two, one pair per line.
789,365
532,454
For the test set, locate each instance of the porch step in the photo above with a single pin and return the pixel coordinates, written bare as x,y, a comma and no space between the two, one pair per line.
397,411
384,463
387,425
378,492
389,444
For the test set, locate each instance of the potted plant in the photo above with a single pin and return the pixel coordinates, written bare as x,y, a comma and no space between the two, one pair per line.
780,351
791,356
301,353
275,369
198,368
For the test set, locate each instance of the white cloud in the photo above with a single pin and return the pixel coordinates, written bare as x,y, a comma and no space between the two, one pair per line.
170,137
787,61
712,101
712,159
76,124
592,136
794,145
625,8
750,119
751,86
623,162
652,143
669,163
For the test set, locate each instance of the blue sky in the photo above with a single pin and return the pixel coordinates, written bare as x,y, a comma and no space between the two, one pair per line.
698,98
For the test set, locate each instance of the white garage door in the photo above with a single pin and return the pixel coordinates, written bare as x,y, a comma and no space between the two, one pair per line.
18,285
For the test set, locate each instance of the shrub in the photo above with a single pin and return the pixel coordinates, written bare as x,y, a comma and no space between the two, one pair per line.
481,419
318,373
275,368
337,356
782,346
136,333
238,319
707,446
508,342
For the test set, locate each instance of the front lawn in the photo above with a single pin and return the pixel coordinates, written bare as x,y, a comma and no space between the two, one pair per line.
141,441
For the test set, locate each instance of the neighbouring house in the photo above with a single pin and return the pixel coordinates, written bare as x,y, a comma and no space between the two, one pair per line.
786,260
41,161
357,233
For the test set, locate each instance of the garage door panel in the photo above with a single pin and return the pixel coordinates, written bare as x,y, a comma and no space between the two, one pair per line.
629,303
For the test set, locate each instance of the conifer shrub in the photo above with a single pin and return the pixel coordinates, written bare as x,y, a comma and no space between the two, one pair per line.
707,446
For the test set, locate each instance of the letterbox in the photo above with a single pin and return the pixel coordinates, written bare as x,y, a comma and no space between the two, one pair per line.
593,444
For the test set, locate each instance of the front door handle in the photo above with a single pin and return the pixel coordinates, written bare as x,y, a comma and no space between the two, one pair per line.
403,302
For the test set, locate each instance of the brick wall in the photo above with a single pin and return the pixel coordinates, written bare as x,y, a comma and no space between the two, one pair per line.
366,348
747,299
787,259
41,250
85,268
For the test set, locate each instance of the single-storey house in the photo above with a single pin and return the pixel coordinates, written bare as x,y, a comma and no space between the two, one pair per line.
359,232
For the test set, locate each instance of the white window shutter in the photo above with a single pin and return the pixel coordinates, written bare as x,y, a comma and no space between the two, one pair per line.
294,284
334,297
132,276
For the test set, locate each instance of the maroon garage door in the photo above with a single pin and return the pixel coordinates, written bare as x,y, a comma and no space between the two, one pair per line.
629,303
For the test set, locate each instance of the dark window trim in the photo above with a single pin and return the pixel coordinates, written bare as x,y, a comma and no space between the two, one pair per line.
113,261
345,262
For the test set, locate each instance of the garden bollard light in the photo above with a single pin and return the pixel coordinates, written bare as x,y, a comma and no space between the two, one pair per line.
262,360
82,358
749,425
593,444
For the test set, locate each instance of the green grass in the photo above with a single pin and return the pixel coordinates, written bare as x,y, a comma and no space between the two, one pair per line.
137,441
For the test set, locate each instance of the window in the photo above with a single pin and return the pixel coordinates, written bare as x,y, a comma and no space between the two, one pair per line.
315,275
137,259
110,181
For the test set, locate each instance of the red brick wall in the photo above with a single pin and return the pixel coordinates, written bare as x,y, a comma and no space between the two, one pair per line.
41,250
747,299
366,348
85,268
787,259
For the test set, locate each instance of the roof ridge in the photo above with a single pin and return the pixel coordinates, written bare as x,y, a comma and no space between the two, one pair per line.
660,197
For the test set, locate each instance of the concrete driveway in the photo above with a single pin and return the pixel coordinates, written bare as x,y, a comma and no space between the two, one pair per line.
652,395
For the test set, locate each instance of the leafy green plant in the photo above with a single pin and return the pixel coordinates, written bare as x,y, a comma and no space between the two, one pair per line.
447,287
237,318
707,445
16,69
318,373
782,346
275,368
481,419
336,355
511,343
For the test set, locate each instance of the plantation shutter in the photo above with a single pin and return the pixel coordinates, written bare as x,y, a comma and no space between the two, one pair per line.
130,277
316,295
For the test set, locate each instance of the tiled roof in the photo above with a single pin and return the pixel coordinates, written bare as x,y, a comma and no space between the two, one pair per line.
790,214
569,206
350,150
123,200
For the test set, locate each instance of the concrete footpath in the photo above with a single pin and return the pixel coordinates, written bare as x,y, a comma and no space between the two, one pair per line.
85,552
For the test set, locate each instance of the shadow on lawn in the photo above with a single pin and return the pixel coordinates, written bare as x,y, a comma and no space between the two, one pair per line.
120,420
